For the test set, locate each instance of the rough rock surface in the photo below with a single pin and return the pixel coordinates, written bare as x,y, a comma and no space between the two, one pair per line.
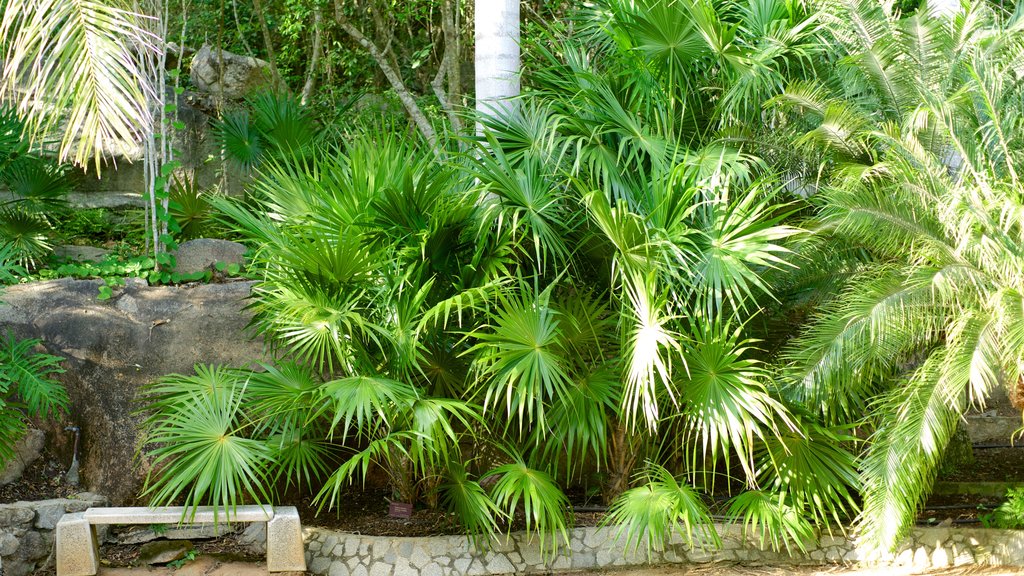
80,253
26,451
113,347
226,74
330,553
164,551
203,253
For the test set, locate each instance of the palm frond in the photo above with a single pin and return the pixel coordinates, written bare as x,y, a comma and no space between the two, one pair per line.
661,508
78,56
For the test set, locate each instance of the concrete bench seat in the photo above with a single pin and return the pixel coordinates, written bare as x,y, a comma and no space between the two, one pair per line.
175,515
78,550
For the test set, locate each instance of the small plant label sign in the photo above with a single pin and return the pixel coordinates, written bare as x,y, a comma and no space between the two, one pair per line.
399,510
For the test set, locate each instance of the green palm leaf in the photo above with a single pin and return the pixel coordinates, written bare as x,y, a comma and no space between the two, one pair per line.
545,506
74,56
661,508
518,358
202,453
773,521
723,396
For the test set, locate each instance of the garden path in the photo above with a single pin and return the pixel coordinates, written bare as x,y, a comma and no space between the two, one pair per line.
210,566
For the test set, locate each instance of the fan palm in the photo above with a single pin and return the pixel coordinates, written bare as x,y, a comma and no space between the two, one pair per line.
37,191
575,292
678,229
277,126
921,132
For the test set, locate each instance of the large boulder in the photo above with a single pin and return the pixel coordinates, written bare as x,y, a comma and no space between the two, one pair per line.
113,347
227,75
204,254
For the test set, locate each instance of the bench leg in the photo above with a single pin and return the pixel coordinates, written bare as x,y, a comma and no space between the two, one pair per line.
285,552
77,549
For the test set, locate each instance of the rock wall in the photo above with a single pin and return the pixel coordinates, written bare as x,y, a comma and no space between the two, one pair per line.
114,347
26,531
340,554
222,79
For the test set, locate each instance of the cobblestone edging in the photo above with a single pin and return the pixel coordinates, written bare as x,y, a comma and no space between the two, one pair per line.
26,531
330,553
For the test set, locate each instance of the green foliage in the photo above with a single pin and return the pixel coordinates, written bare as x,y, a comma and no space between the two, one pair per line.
661,507
474,509
193,214
920,139
188,557
278,126
775,522
198,425
598,279
27,389
89,72
1009,514
543,503
38,193
10,270
114,269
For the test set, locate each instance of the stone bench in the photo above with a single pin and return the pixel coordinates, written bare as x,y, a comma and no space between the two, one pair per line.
78,550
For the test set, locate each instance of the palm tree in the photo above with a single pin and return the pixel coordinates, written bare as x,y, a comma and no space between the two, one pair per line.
678,227
921,140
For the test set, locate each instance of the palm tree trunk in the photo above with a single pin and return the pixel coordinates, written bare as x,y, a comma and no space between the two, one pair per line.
497,54
623,451
944,8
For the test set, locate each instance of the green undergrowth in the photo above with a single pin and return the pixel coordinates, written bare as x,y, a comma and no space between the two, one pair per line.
115,270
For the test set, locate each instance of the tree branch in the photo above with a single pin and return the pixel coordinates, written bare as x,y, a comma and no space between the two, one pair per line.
450,58
391,74
314,62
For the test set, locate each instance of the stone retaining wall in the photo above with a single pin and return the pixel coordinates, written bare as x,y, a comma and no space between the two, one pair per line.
26,531
333,553
27,543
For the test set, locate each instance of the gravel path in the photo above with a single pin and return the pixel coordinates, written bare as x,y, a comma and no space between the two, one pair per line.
732,570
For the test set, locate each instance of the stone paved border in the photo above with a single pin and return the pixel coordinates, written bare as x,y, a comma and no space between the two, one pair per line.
330,553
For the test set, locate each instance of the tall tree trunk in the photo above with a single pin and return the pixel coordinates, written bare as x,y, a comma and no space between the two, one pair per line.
449,67
497,55
258,6
314,59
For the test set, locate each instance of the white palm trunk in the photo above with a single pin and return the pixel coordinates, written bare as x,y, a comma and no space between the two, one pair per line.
943,8
497,54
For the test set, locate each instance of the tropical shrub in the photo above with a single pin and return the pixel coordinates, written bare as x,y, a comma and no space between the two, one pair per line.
1009,514
920,138
573,294
27,389
271,125
37,191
